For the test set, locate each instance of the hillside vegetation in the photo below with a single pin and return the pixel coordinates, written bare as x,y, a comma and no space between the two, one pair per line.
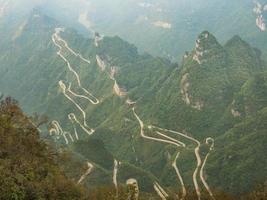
28,166
217,92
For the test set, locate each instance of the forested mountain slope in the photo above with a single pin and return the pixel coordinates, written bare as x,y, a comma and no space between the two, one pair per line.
29,168
105,102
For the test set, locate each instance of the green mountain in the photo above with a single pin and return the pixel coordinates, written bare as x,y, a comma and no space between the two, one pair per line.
91,85
155,26
165,28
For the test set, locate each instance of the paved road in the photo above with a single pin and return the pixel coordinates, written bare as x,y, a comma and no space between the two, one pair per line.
89,170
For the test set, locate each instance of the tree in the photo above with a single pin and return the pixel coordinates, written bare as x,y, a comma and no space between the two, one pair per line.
28,167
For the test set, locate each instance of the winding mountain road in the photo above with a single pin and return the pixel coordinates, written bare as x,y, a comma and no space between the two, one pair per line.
89,170
141,123
170,141
57,129
209,141
160,191
95,101
55,38
197,154
114,178
73,119
33,124
174,165
84,126
164,138
199,168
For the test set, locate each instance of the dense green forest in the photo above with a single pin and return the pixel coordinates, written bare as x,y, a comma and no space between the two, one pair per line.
30,167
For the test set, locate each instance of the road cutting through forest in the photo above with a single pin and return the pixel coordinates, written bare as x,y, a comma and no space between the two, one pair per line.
85,127
173,142
179,144
55,38
58,131
87,173
160,191
197,154
73,119
114,178
209,141
164,138
174,165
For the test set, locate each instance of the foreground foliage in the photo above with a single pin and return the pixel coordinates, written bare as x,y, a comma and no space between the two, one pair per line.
28,169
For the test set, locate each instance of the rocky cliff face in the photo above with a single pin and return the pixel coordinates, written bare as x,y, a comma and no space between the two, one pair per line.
259,10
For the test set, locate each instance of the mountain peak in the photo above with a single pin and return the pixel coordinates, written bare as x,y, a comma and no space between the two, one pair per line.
206,44
38,18
237,41
206,41
240,51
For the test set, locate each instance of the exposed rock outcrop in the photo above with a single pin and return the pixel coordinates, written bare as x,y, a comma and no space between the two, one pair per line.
260,22
113,72
98,38
200,49
132,184
206,47
101,63
258,10
187,98
121,92
235,113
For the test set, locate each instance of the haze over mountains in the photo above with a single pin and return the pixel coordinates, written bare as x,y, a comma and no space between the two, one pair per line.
154,26
128,115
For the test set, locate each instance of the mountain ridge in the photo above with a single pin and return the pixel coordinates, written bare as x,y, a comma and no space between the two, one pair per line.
195,98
